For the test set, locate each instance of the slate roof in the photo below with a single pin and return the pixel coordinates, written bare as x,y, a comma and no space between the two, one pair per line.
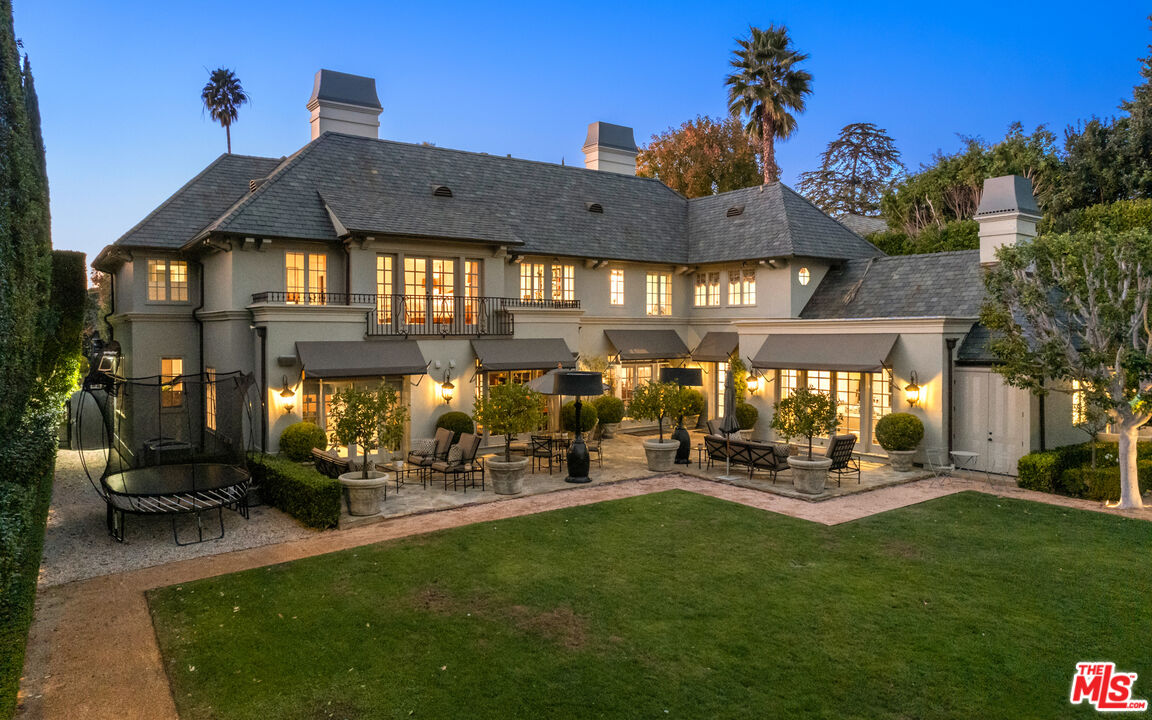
775,221
199,202
863,225
947,284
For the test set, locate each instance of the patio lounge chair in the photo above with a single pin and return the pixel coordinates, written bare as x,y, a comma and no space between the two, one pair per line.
461,464
424,457
840,451
329,462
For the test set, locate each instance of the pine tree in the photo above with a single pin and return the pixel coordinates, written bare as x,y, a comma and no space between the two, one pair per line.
855,171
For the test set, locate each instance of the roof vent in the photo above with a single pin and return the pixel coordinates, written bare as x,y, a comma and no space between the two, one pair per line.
441,191
735,210
594,207
253,184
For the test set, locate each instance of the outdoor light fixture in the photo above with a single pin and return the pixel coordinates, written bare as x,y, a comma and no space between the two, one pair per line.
753,384
447,388
287,395
912,391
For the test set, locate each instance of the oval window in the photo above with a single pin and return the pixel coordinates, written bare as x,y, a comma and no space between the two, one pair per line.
804,276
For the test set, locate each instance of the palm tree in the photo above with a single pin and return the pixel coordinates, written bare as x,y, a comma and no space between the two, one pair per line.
765,87
222,98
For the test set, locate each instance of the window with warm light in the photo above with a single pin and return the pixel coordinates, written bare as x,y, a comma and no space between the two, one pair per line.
789,381
310,402
471,291
820,381
564,282
210,398
848,398
721,387
532,281
742,286
415,290
167,281
804,276
385,270
616,287
171,385
306,278
707,292
632,377
881,398
1079,410
658,294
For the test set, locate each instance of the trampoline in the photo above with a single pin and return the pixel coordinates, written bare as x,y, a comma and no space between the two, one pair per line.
172,445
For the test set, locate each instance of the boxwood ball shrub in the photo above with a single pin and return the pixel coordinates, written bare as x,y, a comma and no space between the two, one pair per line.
746,415
298,439
458,422
899,431
588,416
609,408
695,402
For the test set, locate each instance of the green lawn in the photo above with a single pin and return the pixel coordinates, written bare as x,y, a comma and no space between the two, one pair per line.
676,605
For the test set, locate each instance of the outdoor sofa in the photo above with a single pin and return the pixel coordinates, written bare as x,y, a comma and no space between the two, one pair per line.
771,458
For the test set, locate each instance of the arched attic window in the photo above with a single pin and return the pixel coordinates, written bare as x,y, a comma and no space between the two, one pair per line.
441,191
594,207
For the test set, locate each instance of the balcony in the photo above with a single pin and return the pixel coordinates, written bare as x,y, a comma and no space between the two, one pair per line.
308,298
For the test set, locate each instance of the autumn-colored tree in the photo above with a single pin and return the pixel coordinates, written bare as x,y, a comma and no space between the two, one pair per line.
703,156
766,86
855,171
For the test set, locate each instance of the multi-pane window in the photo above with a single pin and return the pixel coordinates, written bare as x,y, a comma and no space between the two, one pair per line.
443,290
616,287
210,397
848,396
1079,411
310,402
742,286
721,388
532,281
658,294
789,381
881,398
306,278
707,289
415,290
167,281
820,381
385,267
632,377
171,382
471,291
563,282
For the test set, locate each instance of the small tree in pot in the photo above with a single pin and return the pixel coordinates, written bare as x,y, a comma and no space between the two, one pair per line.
899,434
508,410
807,414
657,401
371,419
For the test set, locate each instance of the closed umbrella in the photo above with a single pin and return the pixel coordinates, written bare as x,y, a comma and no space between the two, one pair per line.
728,426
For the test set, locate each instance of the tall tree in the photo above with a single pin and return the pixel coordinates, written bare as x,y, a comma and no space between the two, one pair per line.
701,157
223,96
767,86
1074,307
856,169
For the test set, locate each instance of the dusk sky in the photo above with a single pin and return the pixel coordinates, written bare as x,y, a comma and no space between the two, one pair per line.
119,83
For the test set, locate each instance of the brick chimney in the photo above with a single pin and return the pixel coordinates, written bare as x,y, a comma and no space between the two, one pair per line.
344,103
1007,214
611,148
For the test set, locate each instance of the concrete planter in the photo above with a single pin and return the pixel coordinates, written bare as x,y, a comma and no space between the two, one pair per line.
610,429
661,455
901,460
507,477
691,421
809,476
364,496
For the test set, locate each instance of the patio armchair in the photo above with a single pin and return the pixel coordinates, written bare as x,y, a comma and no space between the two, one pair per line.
423,457
840,452
541,451
461,463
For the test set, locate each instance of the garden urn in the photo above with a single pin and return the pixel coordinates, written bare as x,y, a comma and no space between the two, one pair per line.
364,495
809,476
507,476
661,454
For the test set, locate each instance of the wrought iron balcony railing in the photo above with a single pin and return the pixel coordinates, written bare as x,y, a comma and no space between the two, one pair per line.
310,298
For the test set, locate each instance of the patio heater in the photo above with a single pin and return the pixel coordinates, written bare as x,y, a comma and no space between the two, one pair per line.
578,383
685,377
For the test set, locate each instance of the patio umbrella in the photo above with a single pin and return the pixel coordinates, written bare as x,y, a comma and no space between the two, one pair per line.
546,383
728,426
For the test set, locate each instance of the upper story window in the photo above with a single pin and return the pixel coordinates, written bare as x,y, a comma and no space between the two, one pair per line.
171,385
742,286
385,274
658,294
707,289
532,281
167,281
563,282
616,287
210,397
306,278
1079,408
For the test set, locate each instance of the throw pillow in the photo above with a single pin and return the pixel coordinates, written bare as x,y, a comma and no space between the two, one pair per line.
455,455
423,448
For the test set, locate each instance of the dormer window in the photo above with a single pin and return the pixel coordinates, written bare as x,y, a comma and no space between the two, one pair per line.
441,191
594,207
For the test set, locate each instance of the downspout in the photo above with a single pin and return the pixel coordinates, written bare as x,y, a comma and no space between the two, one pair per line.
111,306
262,333
1043,443
951,343
347,273
200,341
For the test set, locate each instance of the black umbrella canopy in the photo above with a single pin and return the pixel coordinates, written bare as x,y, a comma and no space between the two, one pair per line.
729,424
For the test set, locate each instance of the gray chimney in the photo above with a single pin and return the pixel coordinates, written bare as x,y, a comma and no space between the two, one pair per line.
344,103
610,147
1007,214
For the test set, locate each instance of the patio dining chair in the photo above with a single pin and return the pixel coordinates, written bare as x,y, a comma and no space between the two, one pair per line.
541,451
938,462
840,451
595,438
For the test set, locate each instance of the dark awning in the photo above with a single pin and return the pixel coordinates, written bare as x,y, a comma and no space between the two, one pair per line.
360,358
864,352
523,354
716,347
647,344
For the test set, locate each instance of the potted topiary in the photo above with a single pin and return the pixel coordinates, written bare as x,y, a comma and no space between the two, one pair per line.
807,414
899,434
588,416
610,411
370,419
507,410
657,401
694,407
746,415
299,439
458,422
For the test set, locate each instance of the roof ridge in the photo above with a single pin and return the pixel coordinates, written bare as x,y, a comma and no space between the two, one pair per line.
779,188
815,207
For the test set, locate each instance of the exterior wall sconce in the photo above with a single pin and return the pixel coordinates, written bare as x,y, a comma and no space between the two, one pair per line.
753,384
287,395
912,391
447,389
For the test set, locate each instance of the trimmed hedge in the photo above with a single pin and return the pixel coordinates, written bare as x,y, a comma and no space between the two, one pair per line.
298,490
299,439
1066,470
588,416
899,432
458,422
609,408
746,415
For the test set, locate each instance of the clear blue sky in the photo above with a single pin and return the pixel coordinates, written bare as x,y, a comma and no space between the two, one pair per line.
119,82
